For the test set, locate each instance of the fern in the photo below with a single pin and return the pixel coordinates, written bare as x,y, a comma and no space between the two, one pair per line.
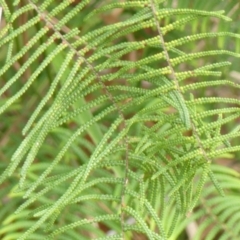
116,141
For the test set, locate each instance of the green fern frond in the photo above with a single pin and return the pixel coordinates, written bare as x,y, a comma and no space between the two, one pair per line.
113,145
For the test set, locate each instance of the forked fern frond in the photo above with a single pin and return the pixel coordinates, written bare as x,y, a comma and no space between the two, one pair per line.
115,142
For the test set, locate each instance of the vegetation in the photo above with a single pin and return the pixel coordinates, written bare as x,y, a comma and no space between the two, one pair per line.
119,120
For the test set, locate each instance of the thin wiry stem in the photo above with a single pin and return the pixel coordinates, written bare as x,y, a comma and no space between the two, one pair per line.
174,77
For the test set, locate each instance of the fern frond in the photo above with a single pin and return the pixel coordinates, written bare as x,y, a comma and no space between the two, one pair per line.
113,145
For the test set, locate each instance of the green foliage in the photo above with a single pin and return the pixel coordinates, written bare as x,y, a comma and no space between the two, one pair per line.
117,140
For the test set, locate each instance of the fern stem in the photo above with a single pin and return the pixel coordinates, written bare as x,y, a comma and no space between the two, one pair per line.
176,83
